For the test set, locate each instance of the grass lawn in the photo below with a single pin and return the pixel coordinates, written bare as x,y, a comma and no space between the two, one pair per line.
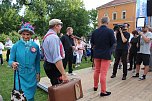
6,81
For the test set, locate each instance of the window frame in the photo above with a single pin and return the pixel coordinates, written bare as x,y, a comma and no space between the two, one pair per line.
122,16
113,16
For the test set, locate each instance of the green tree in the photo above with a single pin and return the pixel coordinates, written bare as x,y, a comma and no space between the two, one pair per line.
9,17
72,13
37,14
93,18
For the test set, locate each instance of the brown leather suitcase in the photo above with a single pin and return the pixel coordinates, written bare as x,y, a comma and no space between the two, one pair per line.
70,91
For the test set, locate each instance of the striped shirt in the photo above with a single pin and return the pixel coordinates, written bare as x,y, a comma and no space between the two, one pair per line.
52,47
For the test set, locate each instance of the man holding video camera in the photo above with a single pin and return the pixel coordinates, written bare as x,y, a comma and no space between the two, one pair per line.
122,37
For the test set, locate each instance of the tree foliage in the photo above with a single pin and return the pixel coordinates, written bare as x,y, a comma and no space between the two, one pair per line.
9,17
93,18
39,12
73,14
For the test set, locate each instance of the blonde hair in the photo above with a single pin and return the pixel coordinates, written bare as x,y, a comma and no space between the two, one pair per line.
68,28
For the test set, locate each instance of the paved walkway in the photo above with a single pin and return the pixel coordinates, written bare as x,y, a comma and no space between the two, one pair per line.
128,90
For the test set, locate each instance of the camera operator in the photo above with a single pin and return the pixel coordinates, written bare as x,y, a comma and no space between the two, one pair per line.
121,51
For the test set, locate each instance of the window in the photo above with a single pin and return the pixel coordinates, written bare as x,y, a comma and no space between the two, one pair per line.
114,15
123,15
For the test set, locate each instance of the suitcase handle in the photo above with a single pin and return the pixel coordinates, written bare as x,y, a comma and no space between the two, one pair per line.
68,81
77,91
65,82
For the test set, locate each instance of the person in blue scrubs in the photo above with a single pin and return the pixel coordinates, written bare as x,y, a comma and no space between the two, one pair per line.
25,57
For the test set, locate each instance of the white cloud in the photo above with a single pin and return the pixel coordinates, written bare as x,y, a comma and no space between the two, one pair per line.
22,11
93,4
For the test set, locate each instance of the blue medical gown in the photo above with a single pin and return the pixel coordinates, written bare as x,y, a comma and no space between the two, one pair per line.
28,57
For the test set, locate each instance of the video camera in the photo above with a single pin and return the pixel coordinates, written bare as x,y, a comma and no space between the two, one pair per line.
118,26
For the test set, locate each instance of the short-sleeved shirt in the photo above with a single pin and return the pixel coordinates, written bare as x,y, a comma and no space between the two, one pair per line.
8,44
52,47
120,44
131,36
145,46
1,47
133,48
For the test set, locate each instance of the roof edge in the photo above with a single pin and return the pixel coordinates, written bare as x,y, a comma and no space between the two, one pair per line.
100,7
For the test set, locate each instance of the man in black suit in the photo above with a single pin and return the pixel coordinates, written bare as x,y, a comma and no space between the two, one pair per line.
69,46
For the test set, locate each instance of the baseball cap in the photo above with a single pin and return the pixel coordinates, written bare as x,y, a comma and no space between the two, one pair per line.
55,22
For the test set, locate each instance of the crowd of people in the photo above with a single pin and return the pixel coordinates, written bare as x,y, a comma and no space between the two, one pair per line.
57,52
67,49
138,49
8,45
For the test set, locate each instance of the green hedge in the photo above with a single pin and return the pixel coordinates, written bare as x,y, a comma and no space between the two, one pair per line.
3,38
14,36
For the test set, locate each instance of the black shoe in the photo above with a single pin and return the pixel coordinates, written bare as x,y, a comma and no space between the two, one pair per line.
120,66
129,69
113,76
142,78
105,94
124,78
137,75
95,89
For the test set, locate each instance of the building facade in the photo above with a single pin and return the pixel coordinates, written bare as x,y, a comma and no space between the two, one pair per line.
119,12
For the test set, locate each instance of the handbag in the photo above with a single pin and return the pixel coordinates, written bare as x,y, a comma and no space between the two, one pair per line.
17,95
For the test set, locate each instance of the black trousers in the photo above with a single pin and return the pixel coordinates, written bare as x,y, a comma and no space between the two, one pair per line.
68,59
123,55
132,59
7,55
1,57
85,54
52,72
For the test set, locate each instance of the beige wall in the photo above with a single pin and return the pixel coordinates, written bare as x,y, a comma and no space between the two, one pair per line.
130,9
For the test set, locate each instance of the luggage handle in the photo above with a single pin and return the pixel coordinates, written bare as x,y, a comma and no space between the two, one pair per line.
68,81
77,91
65,82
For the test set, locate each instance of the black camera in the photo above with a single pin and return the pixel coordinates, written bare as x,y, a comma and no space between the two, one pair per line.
118,26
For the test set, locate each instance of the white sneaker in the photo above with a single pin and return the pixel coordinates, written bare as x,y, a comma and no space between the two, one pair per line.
8,66
76,66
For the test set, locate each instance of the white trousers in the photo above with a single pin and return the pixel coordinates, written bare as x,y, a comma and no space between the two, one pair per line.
79,57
